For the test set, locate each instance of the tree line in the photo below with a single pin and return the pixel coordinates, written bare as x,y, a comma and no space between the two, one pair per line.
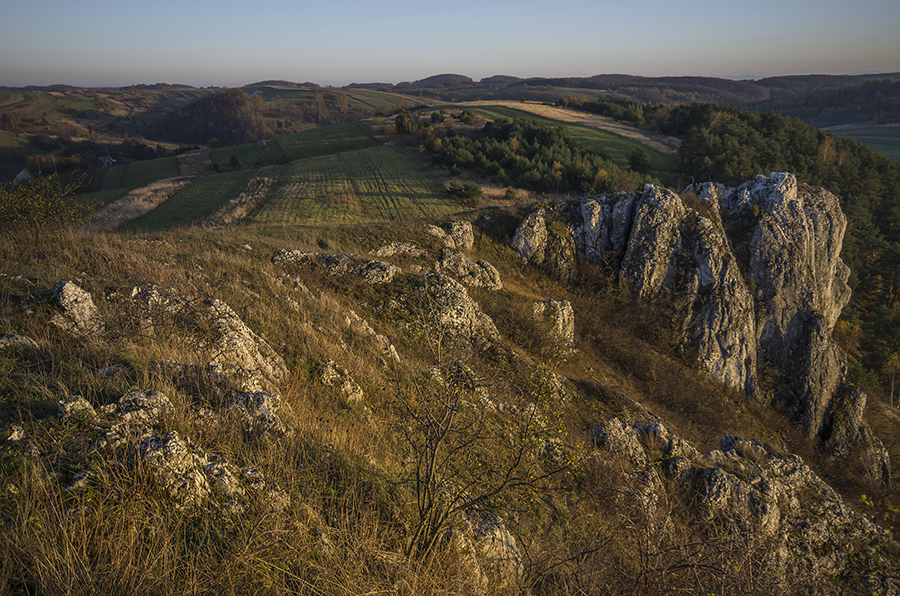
523,153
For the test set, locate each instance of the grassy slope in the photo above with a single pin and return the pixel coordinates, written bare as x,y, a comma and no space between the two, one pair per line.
343,467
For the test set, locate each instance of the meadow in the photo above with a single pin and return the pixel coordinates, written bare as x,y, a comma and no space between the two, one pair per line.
194,201
364,185
882,138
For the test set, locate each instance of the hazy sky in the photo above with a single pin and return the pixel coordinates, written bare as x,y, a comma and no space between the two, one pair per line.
229,43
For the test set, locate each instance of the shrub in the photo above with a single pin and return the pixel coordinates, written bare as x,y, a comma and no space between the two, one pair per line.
469,193
40,204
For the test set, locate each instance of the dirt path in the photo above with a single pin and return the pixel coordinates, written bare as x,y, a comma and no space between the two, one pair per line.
662,143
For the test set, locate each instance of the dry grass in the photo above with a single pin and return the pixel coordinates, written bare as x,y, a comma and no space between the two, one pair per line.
345,467
136,203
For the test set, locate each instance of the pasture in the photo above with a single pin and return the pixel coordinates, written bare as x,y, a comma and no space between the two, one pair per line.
193,202
364,185
884,138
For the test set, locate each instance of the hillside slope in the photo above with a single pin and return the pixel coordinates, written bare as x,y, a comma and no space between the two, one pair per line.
571,399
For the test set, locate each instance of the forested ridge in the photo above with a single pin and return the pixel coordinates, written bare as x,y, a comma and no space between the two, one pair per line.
875,102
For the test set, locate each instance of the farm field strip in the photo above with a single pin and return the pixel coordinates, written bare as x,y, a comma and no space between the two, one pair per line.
194,201
141,173
374,184
883,138
327,140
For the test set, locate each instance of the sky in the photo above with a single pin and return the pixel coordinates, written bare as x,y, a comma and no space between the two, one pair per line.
102,43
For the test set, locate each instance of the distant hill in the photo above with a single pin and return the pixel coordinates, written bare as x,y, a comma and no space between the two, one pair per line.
441,80
693,89
875,102
500,80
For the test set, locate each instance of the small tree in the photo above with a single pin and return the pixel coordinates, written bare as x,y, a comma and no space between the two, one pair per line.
639,161
40,204
889,372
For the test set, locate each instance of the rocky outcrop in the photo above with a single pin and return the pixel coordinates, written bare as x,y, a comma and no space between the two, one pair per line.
457,234
558,318
235,348
489,552
339,378
479,274
11,341
753,280
452,314
370,271
78,315
223,346
539,242
191,477
398,248
745,489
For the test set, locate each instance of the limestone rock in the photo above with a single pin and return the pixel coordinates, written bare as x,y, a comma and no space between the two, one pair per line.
489,552
559,319
452,312
371,271
743,489
78,315
76,407
258,410
553,248
177,467
135,415
377,272
457,234
751,276
479,274
11,341
530,239
338,377
618,437
398,248
235,349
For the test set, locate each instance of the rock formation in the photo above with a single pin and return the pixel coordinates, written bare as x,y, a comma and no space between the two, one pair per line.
744,488
551,247
479,274
753,279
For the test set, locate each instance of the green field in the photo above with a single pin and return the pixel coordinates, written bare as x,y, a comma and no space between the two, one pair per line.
365,185
326,140
612,146
133,175
882,138
194,201
314,142
142,173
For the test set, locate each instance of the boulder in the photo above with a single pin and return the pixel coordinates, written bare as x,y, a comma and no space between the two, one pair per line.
78,315
339,378
766,498
452,313
489,553
549,246
11,341
458,234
